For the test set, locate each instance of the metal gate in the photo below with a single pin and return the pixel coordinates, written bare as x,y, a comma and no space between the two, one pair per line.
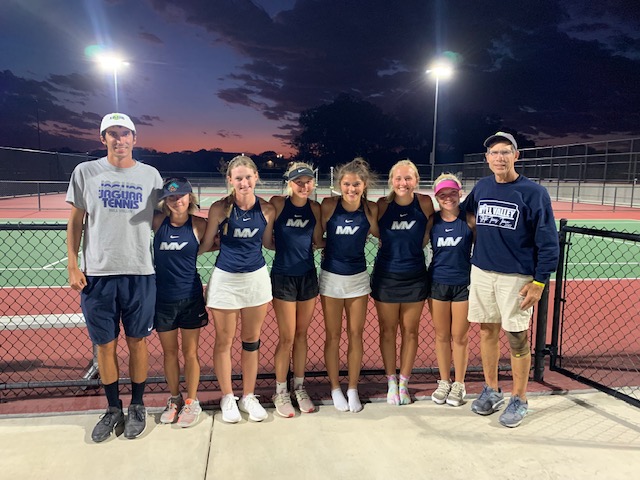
596,315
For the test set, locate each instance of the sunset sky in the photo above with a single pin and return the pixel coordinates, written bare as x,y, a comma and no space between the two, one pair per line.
235,74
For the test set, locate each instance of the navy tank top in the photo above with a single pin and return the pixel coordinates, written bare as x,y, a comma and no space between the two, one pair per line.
293,231
346,235
451,243
175,251
402,229
241,247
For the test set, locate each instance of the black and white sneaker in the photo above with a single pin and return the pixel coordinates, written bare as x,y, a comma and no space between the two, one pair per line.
136,421
110,421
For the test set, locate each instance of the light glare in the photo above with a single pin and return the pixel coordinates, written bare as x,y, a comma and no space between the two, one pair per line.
441,71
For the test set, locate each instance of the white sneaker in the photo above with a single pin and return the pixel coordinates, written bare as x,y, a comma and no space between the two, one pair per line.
250,404
229,407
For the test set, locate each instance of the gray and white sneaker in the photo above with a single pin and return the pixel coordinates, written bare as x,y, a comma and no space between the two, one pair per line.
456,395
441,393
136,421
514,413
110,421
489,401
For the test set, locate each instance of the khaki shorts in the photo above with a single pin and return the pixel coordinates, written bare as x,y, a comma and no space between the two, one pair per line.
495,298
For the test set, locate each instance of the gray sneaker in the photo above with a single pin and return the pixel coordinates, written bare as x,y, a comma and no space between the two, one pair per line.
514,413
488,402
136,421
441,393
110,421
456,395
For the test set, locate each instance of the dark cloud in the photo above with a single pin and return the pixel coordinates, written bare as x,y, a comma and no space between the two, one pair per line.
148,120
32,116
521,61
150,37
75,83
228,134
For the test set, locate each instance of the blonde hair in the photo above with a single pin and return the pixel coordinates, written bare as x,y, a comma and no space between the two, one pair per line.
359,167
446,176
193,205
401,163
238,161
293,167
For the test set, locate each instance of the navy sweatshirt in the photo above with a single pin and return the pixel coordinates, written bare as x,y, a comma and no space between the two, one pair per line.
515,228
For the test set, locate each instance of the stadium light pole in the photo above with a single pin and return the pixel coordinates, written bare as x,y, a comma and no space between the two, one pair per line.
439,71
113,63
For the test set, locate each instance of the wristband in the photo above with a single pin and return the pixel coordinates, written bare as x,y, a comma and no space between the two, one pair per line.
539,284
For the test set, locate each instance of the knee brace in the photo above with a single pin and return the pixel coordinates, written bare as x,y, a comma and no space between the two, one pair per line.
519,343
251,346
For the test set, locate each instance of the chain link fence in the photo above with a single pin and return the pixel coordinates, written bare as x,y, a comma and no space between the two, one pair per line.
596,322
45,349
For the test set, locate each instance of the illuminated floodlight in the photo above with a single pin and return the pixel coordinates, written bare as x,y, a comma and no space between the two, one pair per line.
112,63
440,71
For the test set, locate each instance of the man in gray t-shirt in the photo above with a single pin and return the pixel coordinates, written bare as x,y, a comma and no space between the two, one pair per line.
112,202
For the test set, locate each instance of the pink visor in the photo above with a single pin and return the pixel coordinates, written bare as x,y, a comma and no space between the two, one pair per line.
447,184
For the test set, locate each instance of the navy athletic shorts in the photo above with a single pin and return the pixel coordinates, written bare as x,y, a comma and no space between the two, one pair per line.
449,293
107,300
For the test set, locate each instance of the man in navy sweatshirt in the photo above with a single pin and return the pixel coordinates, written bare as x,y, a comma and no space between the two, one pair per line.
516,251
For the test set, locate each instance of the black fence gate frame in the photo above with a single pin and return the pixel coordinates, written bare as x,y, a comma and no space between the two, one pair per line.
586,368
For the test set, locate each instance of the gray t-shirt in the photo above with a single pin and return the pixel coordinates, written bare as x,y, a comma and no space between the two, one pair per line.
119,205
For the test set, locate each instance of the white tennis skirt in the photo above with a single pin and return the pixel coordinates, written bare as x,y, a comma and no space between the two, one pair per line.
344,286
232,291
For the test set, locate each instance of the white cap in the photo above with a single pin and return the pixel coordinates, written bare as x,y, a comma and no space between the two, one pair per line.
117,120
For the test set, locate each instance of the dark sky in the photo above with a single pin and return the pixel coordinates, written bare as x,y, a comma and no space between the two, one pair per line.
234,74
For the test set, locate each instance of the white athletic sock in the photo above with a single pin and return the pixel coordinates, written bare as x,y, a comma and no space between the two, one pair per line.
281,387
354,400
298,382
339,401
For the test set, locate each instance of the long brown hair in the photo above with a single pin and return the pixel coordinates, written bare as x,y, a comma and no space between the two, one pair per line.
359,167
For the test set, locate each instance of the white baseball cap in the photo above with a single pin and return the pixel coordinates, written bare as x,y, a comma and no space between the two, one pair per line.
117,120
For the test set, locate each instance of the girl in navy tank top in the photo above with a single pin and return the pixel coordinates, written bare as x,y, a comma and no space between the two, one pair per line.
344,280
451,235
294,281
239,285
180,303
399,281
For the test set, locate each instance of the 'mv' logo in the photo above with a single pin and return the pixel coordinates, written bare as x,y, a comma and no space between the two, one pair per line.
172,245
402,225
346,230
244,232
448,241
297,223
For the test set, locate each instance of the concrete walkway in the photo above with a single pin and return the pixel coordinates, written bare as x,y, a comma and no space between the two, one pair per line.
577,435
